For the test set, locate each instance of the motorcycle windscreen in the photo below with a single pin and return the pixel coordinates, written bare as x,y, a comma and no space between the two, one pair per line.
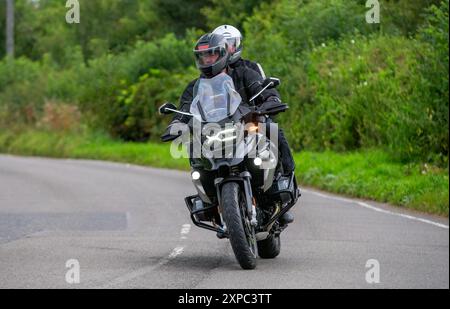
215,98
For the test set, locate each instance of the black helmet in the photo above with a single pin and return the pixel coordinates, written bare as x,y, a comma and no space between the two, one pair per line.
211,54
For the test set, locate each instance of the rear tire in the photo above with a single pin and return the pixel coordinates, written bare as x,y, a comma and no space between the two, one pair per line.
244,245
270,247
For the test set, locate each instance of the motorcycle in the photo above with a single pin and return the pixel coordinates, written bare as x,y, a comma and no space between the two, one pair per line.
241,190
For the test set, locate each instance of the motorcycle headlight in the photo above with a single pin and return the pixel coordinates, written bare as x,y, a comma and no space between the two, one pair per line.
222,136
195,175
257,161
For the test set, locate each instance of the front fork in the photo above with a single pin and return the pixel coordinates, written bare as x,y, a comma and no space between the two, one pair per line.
244,179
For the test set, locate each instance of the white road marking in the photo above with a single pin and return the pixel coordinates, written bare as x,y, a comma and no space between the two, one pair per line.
185,229
177,251
120,281
365,205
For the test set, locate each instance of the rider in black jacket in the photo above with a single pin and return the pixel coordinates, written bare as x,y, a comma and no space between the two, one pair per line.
247,77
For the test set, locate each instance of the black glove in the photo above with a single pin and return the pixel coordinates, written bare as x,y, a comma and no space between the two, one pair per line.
167,137
272,107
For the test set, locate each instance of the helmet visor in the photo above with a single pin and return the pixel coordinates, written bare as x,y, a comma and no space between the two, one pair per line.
205,56
233,43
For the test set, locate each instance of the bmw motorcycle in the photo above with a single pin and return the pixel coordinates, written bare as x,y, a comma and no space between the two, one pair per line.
241,193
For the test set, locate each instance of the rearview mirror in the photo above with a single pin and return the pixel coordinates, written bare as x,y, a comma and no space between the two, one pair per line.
167,108
271,82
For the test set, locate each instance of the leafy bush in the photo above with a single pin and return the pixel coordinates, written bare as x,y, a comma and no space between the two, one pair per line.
134,114
433,72
351,86
17,71
367,92
21,91
102,81
60,117
403,17
282,30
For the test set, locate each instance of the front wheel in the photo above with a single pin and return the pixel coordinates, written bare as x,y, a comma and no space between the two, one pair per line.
241,232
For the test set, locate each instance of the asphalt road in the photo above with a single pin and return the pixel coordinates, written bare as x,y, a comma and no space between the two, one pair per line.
128,227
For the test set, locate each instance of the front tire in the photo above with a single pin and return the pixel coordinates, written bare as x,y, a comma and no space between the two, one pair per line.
241,233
